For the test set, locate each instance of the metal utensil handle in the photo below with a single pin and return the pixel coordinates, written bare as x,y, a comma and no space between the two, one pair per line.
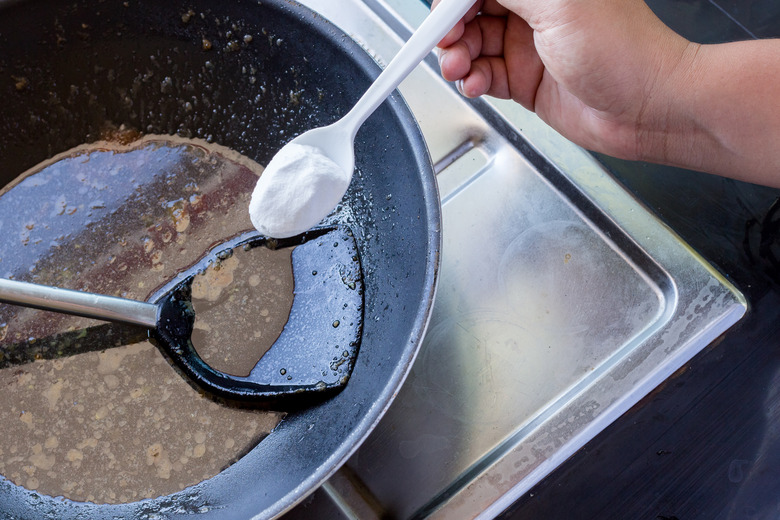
78,303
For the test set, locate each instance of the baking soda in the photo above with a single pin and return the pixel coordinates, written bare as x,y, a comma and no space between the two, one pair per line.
295,190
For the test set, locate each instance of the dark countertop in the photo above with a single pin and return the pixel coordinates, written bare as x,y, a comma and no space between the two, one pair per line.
706,443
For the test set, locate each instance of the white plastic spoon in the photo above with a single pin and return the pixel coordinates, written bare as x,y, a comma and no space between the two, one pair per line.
300,186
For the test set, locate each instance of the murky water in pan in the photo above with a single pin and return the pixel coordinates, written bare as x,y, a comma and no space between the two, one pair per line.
119,424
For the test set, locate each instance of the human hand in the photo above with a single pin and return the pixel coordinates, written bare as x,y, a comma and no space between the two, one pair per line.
592,70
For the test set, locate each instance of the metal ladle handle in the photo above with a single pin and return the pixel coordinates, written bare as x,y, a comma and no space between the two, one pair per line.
79,303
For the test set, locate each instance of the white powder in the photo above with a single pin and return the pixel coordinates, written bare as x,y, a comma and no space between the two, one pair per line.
295,191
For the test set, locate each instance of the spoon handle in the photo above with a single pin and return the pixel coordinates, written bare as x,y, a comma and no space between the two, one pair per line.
435,26
78,303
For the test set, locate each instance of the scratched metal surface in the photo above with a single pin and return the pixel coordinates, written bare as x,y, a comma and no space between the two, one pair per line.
706,444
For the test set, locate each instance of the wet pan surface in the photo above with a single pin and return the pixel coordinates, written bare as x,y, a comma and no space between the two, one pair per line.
91,410
247,76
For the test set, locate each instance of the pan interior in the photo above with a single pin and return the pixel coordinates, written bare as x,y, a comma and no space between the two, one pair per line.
247,76
111,425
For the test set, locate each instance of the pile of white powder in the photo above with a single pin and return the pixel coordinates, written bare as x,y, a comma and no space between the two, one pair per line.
295,191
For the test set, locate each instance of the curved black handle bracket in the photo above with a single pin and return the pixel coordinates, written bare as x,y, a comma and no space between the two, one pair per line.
314,355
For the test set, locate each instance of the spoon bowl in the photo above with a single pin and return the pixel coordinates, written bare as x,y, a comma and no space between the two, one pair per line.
304,181
335,141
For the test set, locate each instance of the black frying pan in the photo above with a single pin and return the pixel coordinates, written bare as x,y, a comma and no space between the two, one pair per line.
67,68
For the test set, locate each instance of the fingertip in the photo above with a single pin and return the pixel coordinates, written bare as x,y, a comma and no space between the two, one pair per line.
472,86
444,65
454,62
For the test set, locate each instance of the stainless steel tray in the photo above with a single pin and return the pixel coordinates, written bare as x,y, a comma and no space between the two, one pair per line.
561,303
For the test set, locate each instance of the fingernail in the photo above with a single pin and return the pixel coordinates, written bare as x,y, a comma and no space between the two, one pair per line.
459,86
442,54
